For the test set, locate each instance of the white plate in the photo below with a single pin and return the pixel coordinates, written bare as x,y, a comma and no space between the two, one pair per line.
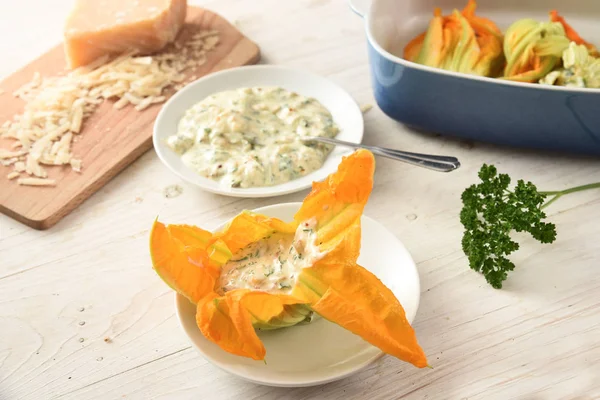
345,112
319,352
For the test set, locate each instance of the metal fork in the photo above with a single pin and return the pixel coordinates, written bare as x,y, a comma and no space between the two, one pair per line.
436,163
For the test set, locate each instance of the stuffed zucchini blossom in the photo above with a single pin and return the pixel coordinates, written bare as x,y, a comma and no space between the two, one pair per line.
263,273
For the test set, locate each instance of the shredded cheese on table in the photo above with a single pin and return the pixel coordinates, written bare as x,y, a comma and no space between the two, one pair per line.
56,107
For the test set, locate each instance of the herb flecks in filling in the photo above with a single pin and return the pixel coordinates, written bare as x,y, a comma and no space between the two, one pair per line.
250,137
273,263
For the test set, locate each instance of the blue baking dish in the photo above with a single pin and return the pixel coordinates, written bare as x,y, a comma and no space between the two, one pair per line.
479,108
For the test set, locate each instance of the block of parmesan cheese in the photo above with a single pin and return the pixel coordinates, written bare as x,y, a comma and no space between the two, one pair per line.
107,27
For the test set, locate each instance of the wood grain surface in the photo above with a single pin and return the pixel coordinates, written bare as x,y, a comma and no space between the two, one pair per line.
111,139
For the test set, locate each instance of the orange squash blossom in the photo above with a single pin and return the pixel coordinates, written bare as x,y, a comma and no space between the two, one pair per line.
189,260
460,42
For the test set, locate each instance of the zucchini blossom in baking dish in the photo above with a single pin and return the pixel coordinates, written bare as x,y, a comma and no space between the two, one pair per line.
459,42
533,49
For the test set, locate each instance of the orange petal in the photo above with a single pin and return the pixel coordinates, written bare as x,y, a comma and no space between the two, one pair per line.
524,63
467,51
193,237
412,49
225,322
470,8
489,39
572,33
229,320
491,61
248,227
337,204
356,300
451,37
481,25
264,306
271,311
539,68
182,261
431,50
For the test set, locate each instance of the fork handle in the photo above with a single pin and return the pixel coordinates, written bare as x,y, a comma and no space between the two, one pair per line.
430,161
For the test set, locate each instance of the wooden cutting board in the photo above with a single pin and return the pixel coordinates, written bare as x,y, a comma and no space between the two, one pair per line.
111,139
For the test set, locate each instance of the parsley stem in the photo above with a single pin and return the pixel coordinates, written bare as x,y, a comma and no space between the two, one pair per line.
552,200
557,194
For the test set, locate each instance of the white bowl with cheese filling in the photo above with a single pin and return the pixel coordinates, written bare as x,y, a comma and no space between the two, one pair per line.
190,144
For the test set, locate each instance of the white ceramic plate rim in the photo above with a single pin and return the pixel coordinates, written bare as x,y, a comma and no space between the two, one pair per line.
350,122
181,300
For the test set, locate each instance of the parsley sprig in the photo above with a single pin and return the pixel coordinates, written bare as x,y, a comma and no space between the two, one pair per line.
491,211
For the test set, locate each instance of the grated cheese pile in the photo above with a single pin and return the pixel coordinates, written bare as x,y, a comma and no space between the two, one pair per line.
56,107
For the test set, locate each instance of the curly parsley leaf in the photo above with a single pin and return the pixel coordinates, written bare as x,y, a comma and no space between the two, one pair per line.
491,211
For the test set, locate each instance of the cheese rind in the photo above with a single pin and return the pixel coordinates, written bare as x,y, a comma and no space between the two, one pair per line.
109,27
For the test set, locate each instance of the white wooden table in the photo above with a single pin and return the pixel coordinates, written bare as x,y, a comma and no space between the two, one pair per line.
63,291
